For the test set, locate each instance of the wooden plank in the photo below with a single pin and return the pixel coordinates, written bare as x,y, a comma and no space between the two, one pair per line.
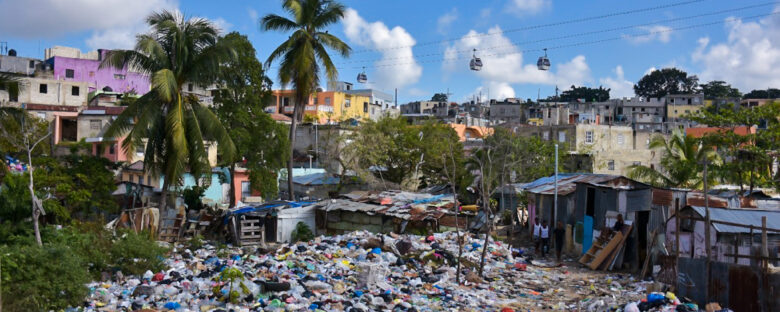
601,256
613,254
646,265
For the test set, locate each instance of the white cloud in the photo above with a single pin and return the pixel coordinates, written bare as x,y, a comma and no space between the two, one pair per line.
53,18
620,87
377,35
223,25
505,65
493,90
485,13
417,92
650,70
445,21
658,33
749,57
253,14
528,7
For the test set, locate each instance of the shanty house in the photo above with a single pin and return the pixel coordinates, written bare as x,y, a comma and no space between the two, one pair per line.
725,238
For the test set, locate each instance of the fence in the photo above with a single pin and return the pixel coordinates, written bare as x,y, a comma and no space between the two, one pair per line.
739,287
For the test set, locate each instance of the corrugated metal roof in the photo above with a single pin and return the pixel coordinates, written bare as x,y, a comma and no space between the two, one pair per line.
741,216
321,178
567,183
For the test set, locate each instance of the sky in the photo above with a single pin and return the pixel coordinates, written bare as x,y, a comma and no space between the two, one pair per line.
423,47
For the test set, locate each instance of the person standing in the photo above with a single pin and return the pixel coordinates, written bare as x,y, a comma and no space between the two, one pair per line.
545,235
559,233
536,233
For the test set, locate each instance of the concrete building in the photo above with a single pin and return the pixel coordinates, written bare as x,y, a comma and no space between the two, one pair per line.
323,107
507,110
18,65
419,107
598,148
680,105
381,104
70,64
645,115
756,102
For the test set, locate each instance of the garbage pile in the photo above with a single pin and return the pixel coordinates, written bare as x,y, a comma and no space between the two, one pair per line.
361,271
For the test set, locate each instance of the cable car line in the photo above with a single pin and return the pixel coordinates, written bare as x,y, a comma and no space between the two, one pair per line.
532,27
567,36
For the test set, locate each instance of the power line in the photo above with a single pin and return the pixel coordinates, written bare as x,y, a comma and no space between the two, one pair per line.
532,27
584,43
469,50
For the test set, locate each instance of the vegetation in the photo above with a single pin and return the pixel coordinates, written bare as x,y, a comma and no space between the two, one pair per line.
53,276
301,233
660,83
169,124
244,92
303,52
440,97
771,93
719,89
585,94
681,164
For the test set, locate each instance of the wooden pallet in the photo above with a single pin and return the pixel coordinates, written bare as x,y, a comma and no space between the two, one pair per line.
170,233
251,231
599,252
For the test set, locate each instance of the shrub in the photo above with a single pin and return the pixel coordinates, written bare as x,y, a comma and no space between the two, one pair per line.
42,278
136,253
301,233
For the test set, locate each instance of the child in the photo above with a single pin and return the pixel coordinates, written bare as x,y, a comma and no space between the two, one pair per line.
545,235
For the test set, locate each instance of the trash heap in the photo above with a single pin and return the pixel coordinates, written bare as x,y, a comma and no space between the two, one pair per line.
361,271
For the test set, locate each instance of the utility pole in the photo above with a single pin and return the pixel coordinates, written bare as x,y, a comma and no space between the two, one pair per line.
706,228
555,197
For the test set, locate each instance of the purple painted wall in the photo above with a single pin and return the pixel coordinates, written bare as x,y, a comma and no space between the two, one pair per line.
97,78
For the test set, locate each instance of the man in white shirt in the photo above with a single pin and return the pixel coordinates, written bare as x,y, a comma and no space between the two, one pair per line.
545,235
536,234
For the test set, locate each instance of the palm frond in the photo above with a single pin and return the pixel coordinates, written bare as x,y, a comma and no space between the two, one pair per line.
165,84
215,131
276,22
334,43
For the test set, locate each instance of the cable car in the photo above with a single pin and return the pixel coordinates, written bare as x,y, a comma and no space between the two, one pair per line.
476,63
543,63
362,77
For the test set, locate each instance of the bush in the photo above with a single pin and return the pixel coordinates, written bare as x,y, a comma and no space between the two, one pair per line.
42,278
136,253
301,233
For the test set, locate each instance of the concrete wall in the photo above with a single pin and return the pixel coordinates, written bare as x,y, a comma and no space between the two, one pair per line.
58,92
87,70
18,65
613,148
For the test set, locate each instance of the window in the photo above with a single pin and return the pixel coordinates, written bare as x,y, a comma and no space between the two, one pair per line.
687,111
119,77
637,163
689,101
43,88
365,107
111,149
95,124
141,180
675,111
620,139
589,137
315,100
32,64
245,189
327,101
549,113
561,136
546,135
74,91
611,165
189,87
643,109
286,101
69,73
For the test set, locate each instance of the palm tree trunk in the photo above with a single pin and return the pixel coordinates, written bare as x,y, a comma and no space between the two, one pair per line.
164,195
293,125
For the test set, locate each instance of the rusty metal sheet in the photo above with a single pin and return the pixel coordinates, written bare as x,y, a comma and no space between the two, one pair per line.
663,197
697,199
743,289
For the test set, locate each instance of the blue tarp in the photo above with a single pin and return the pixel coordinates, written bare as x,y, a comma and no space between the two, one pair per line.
262,208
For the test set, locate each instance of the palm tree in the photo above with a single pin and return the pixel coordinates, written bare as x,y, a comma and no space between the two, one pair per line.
168,124
303,52
681,163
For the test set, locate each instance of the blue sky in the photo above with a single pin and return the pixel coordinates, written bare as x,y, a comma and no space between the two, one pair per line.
422,47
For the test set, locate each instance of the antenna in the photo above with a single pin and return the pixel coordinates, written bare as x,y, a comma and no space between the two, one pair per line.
3,47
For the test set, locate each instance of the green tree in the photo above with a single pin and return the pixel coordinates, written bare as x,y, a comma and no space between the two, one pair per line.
303,52
439,97
169,124
660,83
770,93
244,91
747,154
681,163
719,89
585,93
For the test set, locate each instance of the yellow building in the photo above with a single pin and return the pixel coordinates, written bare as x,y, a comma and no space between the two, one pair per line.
324,107
681,105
